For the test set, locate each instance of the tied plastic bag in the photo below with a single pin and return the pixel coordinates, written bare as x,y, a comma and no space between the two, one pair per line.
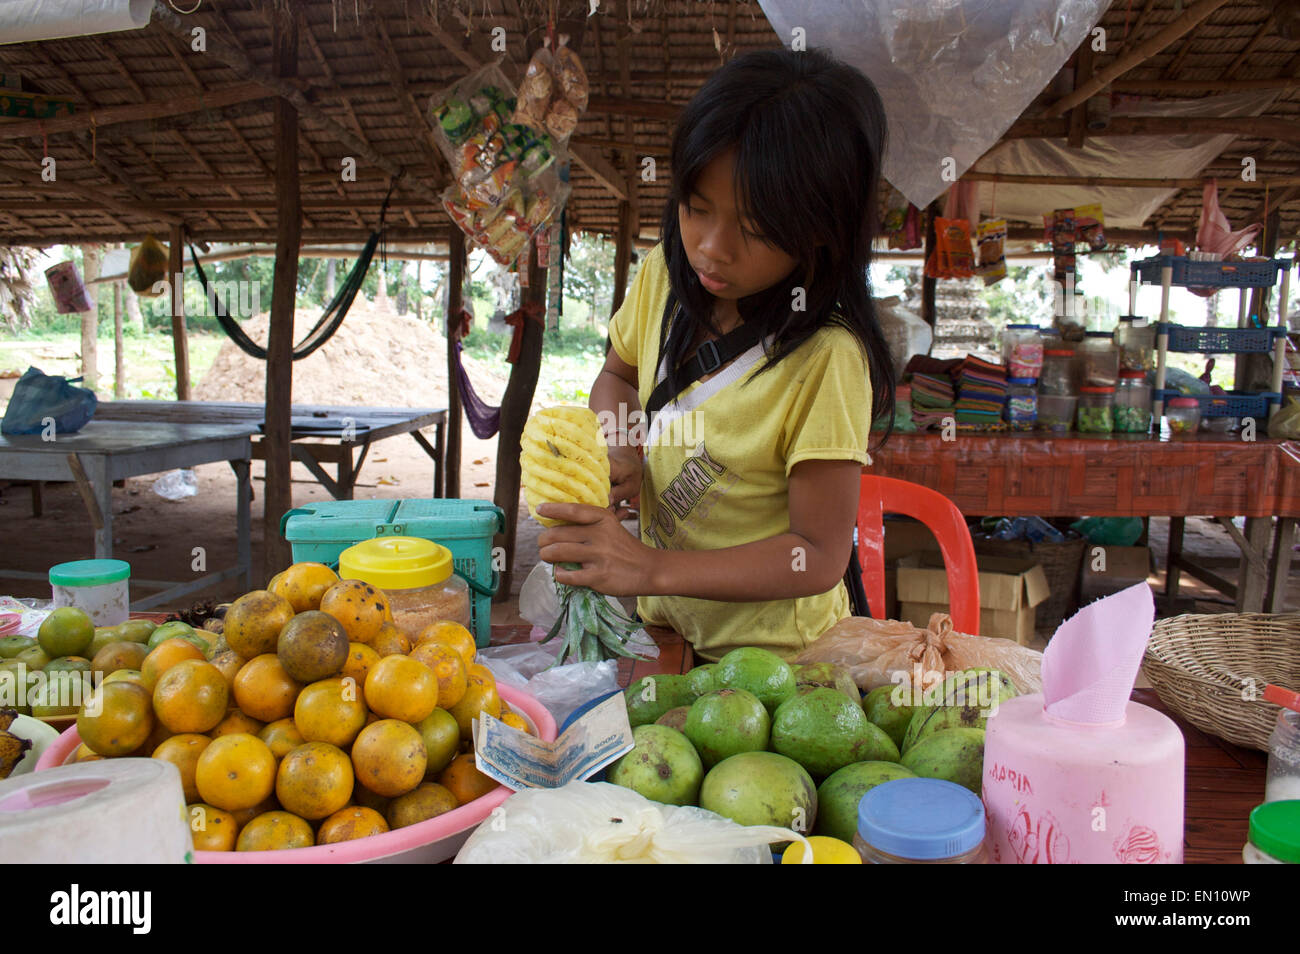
176,485
148,267
41,400
878,652
598,823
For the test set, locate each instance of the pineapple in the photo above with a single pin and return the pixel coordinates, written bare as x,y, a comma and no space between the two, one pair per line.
563,459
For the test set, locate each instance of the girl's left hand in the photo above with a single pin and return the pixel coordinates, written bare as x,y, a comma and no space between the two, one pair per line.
613,561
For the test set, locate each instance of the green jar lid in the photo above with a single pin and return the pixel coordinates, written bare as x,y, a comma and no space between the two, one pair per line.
89,572
1275,830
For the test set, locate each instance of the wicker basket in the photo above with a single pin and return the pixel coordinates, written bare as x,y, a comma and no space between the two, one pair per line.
1061,563
1203,665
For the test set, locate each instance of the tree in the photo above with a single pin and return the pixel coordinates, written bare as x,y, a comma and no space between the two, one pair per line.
589,273
17,291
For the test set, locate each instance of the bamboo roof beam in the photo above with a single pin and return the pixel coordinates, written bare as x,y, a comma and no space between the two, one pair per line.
90,195
1124,181
1261,127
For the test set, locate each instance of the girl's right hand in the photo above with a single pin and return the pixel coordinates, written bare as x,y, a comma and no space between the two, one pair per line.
625,467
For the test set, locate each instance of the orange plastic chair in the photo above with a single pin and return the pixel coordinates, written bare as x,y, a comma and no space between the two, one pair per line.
881,495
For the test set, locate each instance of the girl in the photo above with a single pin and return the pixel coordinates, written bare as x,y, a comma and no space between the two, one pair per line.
749,483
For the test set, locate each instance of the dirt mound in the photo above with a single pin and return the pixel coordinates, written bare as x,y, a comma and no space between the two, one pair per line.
377,358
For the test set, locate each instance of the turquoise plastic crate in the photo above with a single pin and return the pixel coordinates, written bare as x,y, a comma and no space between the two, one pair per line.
319,532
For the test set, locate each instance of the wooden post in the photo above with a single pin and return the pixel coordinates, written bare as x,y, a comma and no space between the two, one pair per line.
928,312
90,318
1254,372
119,359
622,254
279,360
455,302
180,339
515,405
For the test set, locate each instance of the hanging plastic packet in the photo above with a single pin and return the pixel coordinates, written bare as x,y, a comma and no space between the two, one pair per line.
148,267
554,92
1089,225
952,256
992,236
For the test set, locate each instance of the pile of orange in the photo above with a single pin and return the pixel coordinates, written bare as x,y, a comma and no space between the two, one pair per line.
269,762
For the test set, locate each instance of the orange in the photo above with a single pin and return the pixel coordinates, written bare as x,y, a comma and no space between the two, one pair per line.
165,655
331,710
157,737
211,828
126,675
314,780
85,754
117,656
479,697
449,668
399,687
481,674
245,815
454,635
191,697
253,622
463,779
236,721
365,798
235,771
389,758
428,800
391,641
441,737
264,690
123,721
271,831
303,585
360,658
360,607
282,737
183,751
516,721
354,821
229,662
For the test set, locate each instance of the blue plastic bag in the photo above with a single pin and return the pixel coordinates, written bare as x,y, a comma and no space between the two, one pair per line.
38,396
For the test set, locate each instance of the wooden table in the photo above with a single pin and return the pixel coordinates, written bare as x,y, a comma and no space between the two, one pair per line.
320,433
1125,475
1224,781
105,451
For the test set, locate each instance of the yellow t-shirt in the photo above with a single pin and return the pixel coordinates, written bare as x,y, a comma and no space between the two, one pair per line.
718,462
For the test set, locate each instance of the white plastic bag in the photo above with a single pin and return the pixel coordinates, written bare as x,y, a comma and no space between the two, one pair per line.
561,689
176,485
599,823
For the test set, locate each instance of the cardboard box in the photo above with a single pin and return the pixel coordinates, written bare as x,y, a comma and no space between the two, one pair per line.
1009,591
903,537
1108,570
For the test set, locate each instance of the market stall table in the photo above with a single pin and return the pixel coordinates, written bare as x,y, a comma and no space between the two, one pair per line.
1124,475
105,451
321,433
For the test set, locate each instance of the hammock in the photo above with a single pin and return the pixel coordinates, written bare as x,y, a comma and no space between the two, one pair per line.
484,419
324,329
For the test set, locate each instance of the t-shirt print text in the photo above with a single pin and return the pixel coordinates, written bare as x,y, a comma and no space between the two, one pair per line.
680,502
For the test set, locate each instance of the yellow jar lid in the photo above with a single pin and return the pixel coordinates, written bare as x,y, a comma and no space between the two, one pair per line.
396,563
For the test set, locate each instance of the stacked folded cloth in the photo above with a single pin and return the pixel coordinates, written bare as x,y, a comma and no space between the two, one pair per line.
932,389
981,394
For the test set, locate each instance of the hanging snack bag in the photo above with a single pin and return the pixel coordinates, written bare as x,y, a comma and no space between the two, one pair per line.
148,267
992,259
554,92
477,105
572,76
1089,225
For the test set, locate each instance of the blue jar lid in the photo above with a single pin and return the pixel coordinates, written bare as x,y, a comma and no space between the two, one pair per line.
921,818
1035,327
1025,382
89,572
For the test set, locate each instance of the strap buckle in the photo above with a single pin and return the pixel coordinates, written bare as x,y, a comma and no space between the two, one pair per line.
710,359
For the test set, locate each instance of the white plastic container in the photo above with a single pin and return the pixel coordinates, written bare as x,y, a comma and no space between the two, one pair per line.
100,587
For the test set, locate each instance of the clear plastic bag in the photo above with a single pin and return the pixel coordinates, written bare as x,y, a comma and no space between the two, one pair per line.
598,823
878,652
176,485
561,689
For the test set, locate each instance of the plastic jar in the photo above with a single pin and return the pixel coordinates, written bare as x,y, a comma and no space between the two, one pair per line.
1100,360
1022,403
1183,415
100,587
920,821
1022,351
1135,337
417,577
1058,376
1283,779
1056,411
1133,403
1274,834
1096,410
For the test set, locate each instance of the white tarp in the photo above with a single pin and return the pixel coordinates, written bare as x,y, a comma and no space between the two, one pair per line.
953,74
22,21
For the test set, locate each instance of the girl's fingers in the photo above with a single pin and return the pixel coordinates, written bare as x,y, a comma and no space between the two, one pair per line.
565,553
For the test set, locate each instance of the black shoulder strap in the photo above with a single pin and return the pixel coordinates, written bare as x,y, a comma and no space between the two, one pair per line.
708,358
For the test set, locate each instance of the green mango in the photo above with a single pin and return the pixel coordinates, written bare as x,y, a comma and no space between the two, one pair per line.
136,630
651,696
955,755
879,706
701,679
824,731
828,676
838,796
969,697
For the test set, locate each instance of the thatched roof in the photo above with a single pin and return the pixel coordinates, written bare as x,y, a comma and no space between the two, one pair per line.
160,134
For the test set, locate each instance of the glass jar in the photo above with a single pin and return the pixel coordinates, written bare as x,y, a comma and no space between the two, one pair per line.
1022,403
1135,337
1274,834
925,821
417,577
1022,351
1096,410
1183,415
1133,403
1100,360
1283,779
101,588
1058,375
1056,411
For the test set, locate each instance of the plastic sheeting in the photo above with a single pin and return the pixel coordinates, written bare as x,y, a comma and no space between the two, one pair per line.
953,74
22,21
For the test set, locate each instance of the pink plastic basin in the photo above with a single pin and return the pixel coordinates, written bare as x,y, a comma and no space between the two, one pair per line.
431,841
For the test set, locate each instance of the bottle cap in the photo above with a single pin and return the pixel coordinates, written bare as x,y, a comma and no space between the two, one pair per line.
921,818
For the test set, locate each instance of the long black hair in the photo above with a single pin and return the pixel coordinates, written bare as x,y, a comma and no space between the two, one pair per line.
809,133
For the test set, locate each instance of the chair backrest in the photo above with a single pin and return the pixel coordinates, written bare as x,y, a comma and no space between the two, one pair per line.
882,495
